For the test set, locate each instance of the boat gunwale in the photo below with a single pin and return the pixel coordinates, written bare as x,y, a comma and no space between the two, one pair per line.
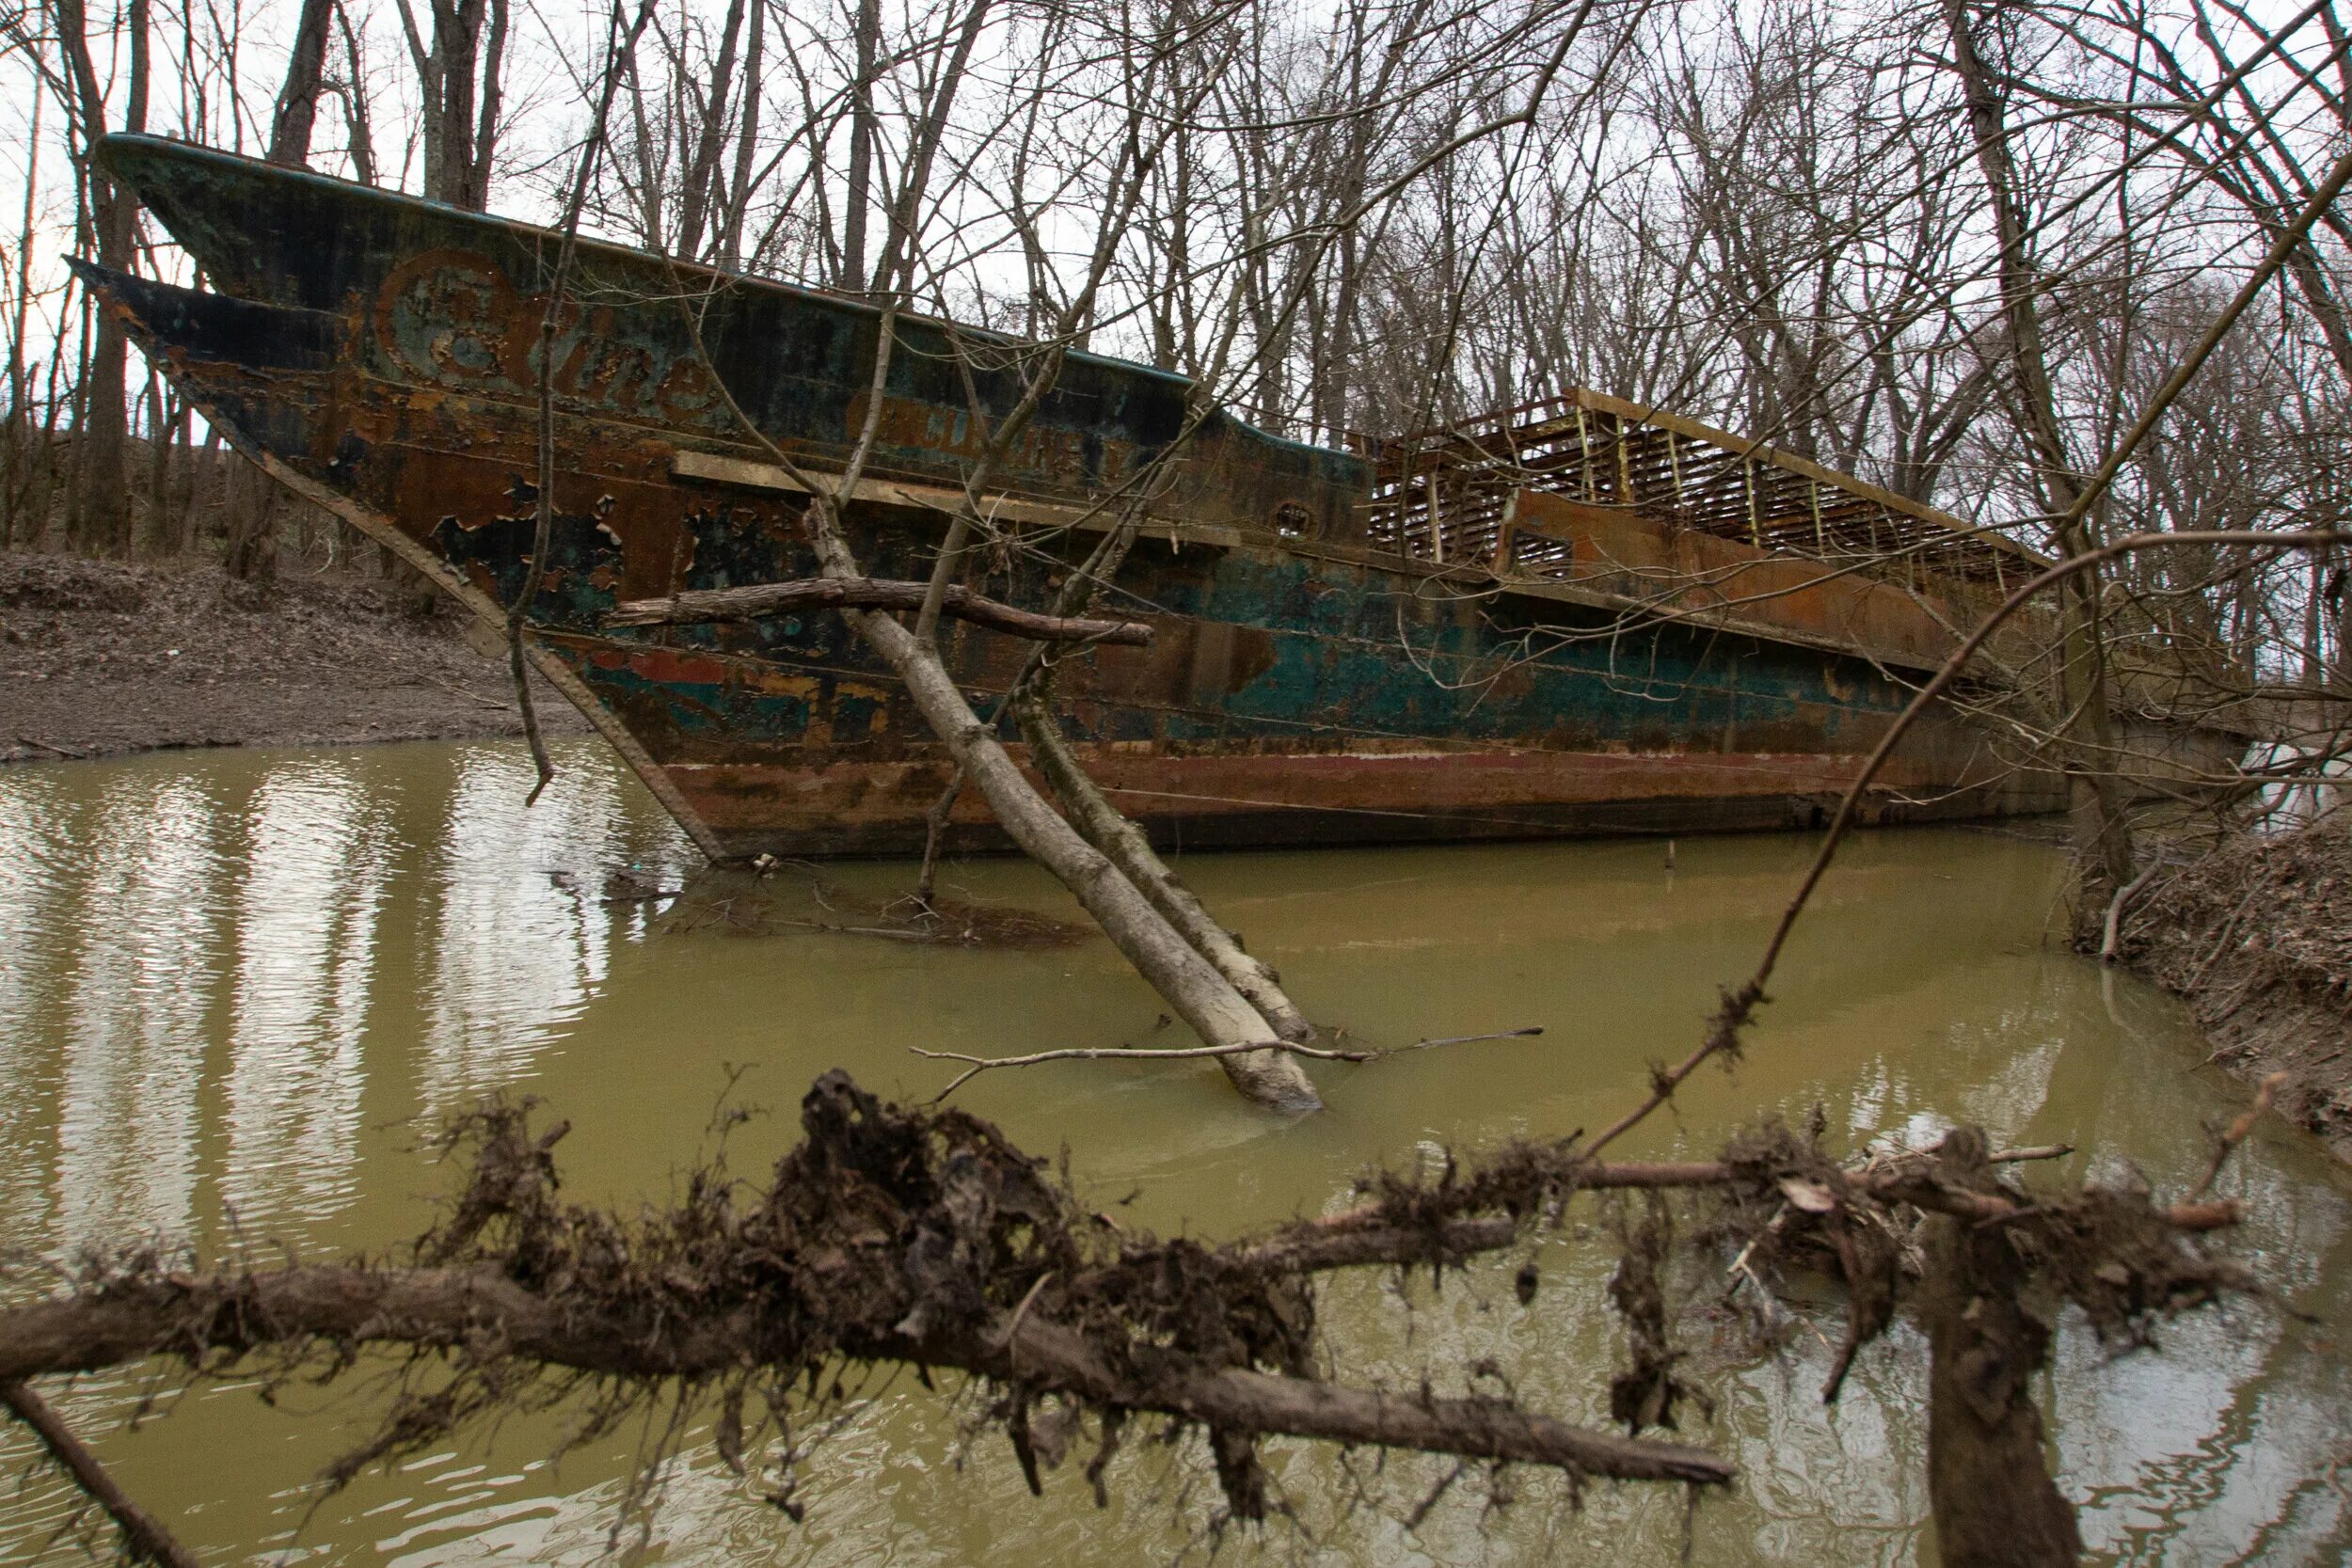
925,494
351,190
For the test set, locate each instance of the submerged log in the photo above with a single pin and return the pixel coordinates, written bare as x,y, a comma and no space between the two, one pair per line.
144,1540
1989,1483
756,600
1102,826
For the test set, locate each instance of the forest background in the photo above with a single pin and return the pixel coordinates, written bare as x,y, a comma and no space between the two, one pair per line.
1951,251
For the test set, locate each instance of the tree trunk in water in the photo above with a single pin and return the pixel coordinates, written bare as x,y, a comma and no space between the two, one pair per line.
1108,829
1988,1474
1206,999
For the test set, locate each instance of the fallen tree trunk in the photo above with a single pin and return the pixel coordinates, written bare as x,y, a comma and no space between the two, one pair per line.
922,1237
144,1540
757,600
1238,1400
192,1316
1989,1483
1204,998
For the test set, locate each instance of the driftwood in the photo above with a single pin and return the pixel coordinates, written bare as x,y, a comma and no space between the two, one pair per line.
440,1308
1995,1503
921,1236
891,1235
1122,843
758,600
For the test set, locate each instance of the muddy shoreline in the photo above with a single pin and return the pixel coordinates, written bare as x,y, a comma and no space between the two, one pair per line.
2255,936
102,657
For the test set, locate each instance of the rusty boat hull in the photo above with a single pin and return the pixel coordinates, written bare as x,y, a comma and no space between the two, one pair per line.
1308,682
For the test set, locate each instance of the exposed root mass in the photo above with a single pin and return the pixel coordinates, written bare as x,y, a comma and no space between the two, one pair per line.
922,1237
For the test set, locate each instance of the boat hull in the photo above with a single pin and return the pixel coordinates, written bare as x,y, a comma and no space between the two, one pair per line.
1298,689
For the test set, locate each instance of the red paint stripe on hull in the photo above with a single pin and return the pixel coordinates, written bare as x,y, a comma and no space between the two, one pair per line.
1291,800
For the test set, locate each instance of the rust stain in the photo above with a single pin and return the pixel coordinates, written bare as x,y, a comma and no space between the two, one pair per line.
1302,687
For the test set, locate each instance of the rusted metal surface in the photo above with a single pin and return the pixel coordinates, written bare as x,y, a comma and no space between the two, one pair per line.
1299,685
1688,572
761,600
1441,493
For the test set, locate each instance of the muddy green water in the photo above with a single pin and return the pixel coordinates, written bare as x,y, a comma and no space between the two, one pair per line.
231,984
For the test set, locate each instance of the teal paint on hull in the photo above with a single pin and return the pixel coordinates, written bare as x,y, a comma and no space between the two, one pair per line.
417,407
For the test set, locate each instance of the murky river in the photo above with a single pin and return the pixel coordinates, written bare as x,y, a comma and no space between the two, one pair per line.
232,986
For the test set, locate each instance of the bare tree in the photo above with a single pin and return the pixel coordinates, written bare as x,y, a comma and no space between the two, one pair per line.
460,75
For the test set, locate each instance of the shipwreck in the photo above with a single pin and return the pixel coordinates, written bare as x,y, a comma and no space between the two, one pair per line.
1578,618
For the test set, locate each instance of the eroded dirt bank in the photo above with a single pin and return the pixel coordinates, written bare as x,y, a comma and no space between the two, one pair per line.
99,658
2257,938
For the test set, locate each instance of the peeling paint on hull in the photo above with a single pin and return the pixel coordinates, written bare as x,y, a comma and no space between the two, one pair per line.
1298,689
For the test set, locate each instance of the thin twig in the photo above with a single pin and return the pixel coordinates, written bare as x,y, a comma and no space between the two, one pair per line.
2237,1131
1132,1053
1738,1006
456,689
2113,934
1012,1329
1461,1039
2228,929
543,527
1126,1054
2038,1152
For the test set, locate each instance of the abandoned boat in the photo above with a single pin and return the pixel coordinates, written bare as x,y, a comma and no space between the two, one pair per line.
1587,617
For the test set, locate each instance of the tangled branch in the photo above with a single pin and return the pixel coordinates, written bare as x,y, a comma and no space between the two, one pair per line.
922,1237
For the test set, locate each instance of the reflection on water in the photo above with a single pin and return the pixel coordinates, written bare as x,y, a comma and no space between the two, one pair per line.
231,984
306,940
513,955
133,1010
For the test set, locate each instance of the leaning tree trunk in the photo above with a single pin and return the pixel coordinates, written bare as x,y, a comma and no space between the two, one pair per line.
1108,830
1203,997
2087,746
1214,1008
1250,1048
